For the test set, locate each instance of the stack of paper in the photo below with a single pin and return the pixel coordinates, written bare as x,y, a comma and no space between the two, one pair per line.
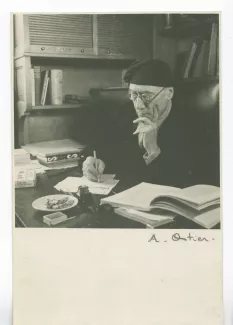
71,184
21,156
151,220
31,165
23,162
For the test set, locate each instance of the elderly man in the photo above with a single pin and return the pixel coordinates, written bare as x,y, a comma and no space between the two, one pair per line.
151,145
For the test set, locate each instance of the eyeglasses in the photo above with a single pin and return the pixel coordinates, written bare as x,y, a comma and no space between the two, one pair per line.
145,97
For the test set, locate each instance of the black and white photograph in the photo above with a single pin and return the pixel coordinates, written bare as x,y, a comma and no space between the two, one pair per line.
116,120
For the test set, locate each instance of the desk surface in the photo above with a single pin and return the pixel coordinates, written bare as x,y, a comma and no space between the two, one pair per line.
26,216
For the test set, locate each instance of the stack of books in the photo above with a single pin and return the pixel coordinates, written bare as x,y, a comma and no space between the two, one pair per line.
62,153
155,204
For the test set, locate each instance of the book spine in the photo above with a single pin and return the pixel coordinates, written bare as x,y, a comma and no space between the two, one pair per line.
45,87
189,60
33,87
197,53
205,58
52,158
42,158
37,76
56,87
213,50
217,58
179,67
45,93
123,83
197,72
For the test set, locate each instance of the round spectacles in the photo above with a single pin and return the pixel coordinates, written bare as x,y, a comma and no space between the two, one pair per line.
145,97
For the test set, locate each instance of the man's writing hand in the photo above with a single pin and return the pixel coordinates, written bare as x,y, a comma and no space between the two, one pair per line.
93,168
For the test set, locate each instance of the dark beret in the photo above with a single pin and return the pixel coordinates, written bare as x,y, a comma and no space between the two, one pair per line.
149,72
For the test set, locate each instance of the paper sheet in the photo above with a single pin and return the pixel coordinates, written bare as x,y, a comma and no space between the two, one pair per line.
33,165
71,184
21,152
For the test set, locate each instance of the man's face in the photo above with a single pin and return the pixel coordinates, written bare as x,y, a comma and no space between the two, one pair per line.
155,103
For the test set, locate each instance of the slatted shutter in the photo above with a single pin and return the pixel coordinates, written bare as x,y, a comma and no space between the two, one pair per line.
125,35
68,33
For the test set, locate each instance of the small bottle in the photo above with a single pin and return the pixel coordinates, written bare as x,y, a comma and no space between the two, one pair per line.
85,198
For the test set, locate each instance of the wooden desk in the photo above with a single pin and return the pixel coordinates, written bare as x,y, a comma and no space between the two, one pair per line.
26,216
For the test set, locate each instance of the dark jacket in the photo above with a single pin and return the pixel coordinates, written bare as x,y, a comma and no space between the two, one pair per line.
189,154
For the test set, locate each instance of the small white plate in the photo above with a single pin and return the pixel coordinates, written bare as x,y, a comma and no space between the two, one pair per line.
41,203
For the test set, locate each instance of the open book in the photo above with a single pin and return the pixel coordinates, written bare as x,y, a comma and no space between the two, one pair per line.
189,202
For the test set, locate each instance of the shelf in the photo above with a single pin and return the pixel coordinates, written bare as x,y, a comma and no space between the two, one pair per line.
98,90
196,80
56,107
121,57
188,30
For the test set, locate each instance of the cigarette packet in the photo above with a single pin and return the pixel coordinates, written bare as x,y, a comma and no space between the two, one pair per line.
54,218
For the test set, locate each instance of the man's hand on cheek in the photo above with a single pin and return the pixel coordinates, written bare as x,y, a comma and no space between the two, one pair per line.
144,125
147,134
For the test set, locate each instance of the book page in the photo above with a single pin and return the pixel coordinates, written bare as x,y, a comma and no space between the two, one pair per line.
139,196
209,218
200,194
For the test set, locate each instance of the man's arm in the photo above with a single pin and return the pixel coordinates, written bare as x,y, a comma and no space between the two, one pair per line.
115,144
